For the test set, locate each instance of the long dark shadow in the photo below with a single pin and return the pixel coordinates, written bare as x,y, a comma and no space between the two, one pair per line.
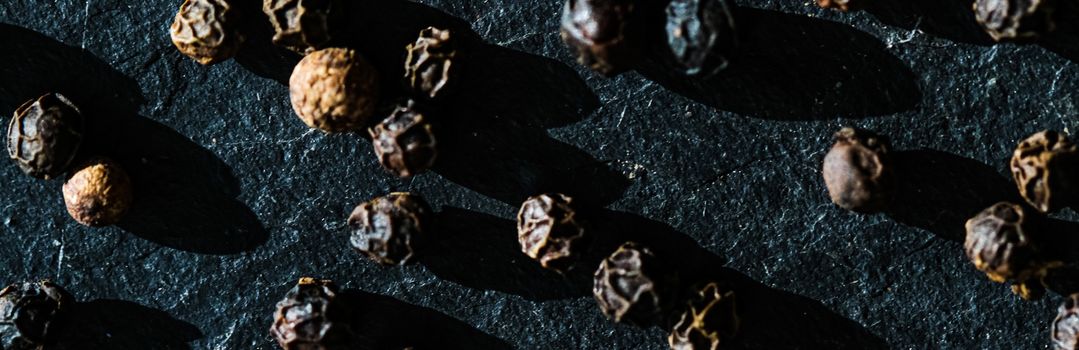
116,324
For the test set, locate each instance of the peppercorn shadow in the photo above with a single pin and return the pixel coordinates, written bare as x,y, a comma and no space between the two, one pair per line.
938,191
949,19
387,323
185,197
118,324
1065,40
792,67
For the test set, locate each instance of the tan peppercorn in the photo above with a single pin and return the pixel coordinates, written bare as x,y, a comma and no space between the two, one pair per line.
206,30
1044,167
334,90
99,193
842,5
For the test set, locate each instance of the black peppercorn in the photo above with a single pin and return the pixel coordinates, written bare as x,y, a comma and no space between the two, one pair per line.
1065,331
99,193
302,25
701,33
334,90
1015,19
404,142
858,171
1045,166
206,30
1002,241
842,5
388,229
606,35
430,65
44,135
31,313
630,286
709,318
308,318
550,231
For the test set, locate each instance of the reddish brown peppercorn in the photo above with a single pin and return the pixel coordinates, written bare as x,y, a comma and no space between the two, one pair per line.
99,193
606,35
45,135
701,34
430,66
550,231
1002,242
710,317
31,313
302,25
858,171
206,30
1006,20
629,286
388,229
1045,166
334,90
842,5
404,142
307,318
1065,331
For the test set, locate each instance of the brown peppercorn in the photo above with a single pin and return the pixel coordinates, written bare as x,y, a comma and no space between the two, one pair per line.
430,65
550,231
842,5
206,30
1002,241
1011,20
302,25
98,193
31,314
45,135
858,171
1045,166
1065,331
404,142
710,317
388,229
630,286
701,34
334,90
606,35
307,319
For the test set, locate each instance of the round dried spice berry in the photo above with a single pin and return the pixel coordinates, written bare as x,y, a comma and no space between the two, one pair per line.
334,90
307,319
842,5
404,142
30,313
858,171
44,135
388,229
302,25
206,30
606,35
1002,242
710,317
629,286
1006,20
99,193
1065,331
549,230
701,33
1045,166
429,66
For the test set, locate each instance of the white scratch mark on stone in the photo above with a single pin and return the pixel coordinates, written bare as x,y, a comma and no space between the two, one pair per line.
85,24
60,256
621,117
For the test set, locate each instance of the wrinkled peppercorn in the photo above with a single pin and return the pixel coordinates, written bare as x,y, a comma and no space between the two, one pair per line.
1002,241
550,231
630,286
1015,19
302,25
334,90
605,35
710,317
842,5
404,142
44,135
388,229
99,193
701,34
1045,167
31,313
206,30
430,65
307,319
858,171
1065,331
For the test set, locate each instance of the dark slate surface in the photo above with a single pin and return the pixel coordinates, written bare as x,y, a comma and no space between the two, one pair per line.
237,198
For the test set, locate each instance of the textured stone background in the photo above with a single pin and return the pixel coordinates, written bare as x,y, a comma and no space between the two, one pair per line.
237,199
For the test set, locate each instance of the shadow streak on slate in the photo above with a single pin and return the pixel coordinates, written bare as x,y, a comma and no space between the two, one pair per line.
118,324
